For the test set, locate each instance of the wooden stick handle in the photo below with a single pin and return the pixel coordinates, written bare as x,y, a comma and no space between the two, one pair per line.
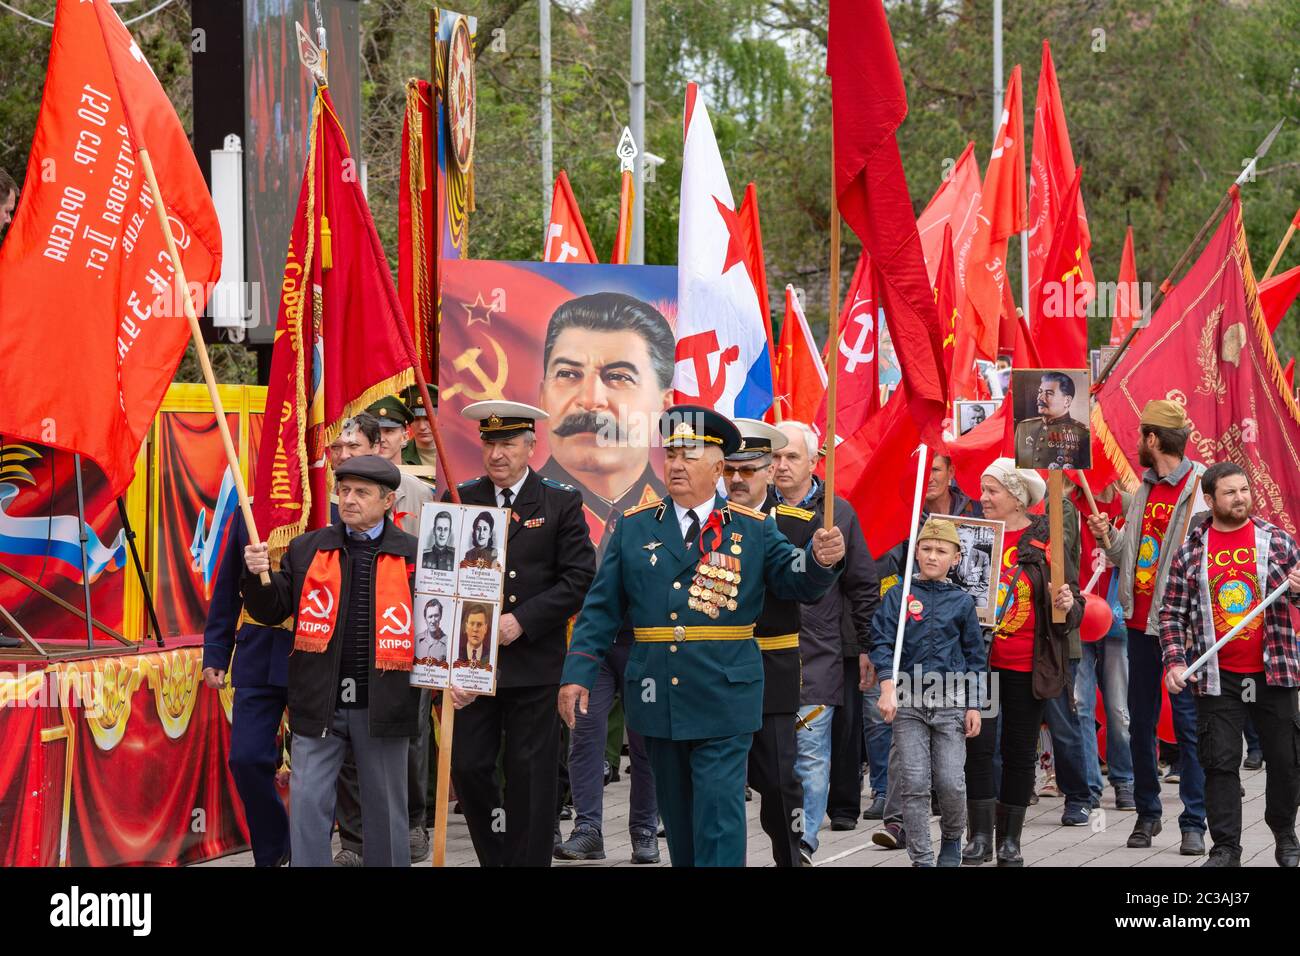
832,353
232,458
1281,248
1056,543
442,792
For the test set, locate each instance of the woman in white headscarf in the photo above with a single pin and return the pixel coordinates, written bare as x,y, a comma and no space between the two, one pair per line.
1028,664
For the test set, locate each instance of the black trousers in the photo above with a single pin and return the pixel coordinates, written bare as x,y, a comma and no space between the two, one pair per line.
845,796
518,830
1020,714
771,772
1219,723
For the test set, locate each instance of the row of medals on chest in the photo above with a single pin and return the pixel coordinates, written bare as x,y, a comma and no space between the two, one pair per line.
714,586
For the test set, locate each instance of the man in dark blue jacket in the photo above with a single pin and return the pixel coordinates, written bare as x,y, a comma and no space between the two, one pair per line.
260,678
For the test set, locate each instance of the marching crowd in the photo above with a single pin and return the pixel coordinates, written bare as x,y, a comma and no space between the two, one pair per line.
752,647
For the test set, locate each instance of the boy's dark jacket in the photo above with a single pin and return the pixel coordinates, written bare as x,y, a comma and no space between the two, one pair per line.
946,639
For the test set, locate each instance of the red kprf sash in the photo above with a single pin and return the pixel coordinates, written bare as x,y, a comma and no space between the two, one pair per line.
318,609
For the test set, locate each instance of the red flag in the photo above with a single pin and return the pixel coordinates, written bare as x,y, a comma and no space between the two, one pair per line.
858,355
955,204
868,103
1002,212
1289,374
1128,297
416,239
981,446
1277,294
945,299
1052,168
878,464
329,363
623,236
87,290
1060,328
566,234
800,374
1209,349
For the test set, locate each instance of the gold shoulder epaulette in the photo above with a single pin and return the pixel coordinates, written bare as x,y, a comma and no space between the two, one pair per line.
741,509
802,514
641,507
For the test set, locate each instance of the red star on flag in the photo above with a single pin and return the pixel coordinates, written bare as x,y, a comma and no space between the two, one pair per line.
735,241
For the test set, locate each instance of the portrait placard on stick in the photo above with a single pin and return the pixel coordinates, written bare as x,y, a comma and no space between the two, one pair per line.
968,414
1050,411
977,572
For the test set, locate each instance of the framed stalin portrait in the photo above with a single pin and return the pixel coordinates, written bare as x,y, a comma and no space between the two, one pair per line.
977,571
1050,411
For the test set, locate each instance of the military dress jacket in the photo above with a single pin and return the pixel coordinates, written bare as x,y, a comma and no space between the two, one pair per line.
777,629
550,562
695,671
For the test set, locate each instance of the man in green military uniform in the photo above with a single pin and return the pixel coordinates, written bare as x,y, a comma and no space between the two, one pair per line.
420,456
1053,439
691,573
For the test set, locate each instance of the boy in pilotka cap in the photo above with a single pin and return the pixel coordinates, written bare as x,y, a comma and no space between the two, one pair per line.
943,657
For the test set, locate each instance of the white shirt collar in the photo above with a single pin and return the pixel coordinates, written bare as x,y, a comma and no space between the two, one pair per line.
514,489
683,514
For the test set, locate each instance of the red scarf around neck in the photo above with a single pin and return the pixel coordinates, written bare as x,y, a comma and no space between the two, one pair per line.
318,609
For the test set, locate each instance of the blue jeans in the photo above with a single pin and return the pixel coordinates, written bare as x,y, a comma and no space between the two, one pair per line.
814,768
879,735
1145,677
1109,659
1067,747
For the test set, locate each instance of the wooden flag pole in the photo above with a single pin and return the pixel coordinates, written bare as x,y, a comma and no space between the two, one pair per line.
1092,502
1281,248
204,362
446,728
1056,543
832,352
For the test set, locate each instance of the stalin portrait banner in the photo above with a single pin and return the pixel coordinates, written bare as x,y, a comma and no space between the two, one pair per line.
591,345
1050,409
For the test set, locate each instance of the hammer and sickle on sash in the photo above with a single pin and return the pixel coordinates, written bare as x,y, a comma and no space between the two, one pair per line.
391,615
490,389
321,609
698,348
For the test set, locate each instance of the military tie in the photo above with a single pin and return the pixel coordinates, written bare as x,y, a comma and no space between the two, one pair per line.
692,531
506,496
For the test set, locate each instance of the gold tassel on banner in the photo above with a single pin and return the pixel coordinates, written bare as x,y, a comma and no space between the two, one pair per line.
326,244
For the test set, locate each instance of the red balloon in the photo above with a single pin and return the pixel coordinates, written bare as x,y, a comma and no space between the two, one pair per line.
1097,618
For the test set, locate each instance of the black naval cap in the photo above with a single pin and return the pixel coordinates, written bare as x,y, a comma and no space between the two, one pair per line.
391,412
500,421
757,439
412,399
371,468
683,425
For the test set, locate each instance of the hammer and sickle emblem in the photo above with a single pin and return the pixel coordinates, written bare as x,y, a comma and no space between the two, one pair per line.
320,609
698,348
391,614
490,389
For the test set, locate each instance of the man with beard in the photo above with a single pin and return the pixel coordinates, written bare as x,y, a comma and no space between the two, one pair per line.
1227,566
1053,439
607,374
1155,525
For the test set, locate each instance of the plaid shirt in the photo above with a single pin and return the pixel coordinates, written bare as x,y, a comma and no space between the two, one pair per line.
1186,616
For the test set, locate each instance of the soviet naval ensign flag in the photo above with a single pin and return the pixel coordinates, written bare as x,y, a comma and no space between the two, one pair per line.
87,289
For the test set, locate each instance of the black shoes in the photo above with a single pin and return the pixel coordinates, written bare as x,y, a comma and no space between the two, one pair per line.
645,848
844,823
1287,852
1124,797
1193,843
979,816
1220,856
1010,824
1143,832
582,844
1253,762
876,811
